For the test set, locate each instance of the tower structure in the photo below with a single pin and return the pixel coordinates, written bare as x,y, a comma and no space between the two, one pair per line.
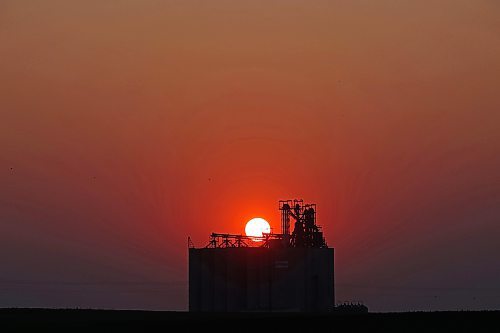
288,271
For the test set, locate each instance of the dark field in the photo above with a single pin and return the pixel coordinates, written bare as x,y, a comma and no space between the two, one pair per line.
37,319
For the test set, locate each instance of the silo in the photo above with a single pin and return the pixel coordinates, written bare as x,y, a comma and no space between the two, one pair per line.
280,272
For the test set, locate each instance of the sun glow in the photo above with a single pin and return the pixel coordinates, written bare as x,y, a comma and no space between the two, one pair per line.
256,226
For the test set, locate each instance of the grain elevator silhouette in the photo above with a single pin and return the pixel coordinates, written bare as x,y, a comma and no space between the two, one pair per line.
292,271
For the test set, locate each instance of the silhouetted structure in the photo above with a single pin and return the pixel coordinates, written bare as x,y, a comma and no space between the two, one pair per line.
277,272
350,308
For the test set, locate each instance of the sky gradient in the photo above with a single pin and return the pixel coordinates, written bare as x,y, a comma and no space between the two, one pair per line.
126,126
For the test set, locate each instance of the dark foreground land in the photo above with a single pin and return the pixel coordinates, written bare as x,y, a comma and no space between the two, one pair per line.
138,321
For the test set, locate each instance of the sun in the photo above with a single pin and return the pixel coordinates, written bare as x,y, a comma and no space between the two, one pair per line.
256,226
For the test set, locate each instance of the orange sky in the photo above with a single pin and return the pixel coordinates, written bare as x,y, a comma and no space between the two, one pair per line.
126,126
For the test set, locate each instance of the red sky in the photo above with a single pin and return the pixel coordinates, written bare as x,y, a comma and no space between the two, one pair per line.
126,126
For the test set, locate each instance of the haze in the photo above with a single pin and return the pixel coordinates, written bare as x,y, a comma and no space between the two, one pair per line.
126,126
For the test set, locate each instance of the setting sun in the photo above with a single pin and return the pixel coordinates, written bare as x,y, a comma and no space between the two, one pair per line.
256,226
